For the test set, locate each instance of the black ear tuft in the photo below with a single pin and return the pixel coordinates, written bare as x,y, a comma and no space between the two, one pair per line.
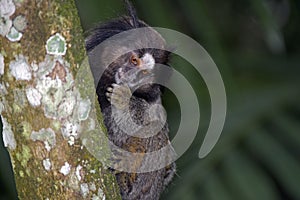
132,13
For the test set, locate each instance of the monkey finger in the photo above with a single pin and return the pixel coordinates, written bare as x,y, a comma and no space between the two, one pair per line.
108,94
110,89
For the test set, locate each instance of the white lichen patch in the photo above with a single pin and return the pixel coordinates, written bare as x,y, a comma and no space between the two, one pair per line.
7,8
14,35
1,65
92,187
95,197
99,196
70,131
73,182
66,106
71,141
56,45
78,169
1,107
20,23
47,146
83,109
33,96
55,83
55,90
34,66
52,94
3,90
47,164
45,135
8,136
20,69
61,99
65,170
44,68
84,188
5,26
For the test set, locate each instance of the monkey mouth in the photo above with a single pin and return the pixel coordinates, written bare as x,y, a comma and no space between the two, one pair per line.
134,78
120,75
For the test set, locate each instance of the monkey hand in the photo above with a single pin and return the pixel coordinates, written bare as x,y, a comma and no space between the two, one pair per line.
119,96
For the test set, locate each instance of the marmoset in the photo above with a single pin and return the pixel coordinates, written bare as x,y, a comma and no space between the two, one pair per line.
126,91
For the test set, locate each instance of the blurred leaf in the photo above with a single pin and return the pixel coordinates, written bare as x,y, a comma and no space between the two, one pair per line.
272,154
215,188
273,36
290,127
246,178
249,110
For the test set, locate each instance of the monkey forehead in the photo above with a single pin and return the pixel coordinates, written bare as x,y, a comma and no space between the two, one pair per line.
129,41
148,38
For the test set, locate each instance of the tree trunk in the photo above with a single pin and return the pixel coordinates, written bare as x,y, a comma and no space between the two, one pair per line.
52,123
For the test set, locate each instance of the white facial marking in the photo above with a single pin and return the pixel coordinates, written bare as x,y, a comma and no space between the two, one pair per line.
148,61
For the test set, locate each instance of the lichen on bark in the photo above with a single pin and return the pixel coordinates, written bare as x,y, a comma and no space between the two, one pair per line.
49,105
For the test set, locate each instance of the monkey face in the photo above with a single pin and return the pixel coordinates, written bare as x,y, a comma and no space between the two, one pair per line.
136,70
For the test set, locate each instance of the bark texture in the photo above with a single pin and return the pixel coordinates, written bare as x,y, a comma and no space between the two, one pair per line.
52,124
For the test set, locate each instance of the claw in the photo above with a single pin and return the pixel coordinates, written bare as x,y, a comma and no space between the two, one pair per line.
110,89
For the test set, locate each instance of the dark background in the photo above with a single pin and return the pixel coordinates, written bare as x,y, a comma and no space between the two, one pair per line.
256,46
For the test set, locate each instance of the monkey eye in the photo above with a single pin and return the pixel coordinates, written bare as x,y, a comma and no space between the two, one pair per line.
135,60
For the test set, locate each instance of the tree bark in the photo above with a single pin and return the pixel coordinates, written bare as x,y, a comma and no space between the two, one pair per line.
52,123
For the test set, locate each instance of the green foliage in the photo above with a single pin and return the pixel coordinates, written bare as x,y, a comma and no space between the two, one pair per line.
255,44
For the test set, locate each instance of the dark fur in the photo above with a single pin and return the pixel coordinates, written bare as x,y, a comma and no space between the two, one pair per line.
144,185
